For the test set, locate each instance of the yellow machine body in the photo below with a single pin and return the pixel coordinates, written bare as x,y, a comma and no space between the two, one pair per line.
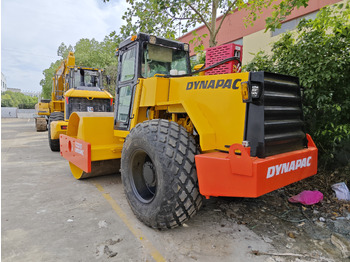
104,144
87,94
57,106
60,127
60,84
213,104
42,109
208,109
61,87
104,148
57,128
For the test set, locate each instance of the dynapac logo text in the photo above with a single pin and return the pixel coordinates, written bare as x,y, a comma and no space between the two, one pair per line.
214,84
288,167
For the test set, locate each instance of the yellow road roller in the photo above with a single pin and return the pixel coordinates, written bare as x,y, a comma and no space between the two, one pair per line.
176,138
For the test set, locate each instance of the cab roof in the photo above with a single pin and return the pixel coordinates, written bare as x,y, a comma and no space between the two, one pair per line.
143,37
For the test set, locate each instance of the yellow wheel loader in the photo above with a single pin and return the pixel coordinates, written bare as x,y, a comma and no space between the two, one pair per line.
75,89
176,137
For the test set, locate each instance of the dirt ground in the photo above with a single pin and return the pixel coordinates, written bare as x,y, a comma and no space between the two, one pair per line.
319,232
47,215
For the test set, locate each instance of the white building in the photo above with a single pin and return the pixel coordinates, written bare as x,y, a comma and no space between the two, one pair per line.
31,93
3,83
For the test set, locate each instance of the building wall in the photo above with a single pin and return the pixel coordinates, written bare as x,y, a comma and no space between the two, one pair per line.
31,93
26,113
17,90
250,46
253,37
3,83
14,112
9,112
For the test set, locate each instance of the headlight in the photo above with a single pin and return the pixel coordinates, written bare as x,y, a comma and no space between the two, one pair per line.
250,91
186,47
152,39
255,91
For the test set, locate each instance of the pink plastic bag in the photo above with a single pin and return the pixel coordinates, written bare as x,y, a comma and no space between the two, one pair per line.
307,197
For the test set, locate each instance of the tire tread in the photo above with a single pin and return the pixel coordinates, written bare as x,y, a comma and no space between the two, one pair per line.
54,143
182,199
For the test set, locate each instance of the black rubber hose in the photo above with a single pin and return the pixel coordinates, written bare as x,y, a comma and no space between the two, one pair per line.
234,58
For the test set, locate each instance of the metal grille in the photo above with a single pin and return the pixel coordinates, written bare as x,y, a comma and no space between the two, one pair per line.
80,104
283,116
274,121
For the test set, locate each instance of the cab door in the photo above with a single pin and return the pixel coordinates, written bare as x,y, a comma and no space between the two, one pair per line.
126,85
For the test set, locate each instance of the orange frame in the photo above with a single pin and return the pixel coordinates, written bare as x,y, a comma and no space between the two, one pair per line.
239,175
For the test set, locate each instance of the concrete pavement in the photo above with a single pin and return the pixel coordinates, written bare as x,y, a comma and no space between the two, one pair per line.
47,215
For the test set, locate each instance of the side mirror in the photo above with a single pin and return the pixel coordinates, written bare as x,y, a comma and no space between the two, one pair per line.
108,79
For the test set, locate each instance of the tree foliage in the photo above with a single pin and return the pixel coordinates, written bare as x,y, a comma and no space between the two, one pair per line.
16,99
47,82
88,53
318,53
171,17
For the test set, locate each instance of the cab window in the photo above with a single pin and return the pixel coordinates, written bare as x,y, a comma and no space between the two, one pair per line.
160,60
87,78
125,94
128,65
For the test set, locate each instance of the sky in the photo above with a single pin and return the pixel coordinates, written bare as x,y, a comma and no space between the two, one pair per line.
32,30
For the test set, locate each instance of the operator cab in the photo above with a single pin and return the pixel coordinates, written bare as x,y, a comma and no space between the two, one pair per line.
85,79
144,56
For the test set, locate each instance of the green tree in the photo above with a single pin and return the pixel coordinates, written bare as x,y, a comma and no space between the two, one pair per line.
109,46
15,99
47,82
166,18
63,50
6,100
91,53
88,53
318,53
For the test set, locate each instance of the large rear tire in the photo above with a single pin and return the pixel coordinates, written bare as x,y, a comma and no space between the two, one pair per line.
159,174
54,143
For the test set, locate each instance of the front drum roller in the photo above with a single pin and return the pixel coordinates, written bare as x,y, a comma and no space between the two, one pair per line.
98,168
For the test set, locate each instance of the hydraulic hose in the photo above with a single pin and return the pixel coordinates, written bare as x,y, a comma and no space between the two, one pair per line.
234,58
